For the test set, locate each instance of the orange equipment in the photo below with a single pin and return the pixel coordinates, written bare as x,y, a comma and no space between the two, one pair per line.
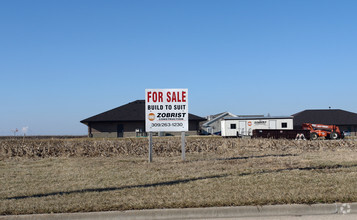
319,130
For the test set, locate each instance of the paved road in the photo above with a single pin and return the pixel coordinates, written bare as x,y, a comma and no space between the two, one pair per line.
279,212
304,217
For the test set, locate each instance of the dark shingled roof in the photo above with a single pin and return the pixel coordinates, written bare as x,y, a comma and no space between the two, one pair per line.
325,116
133,111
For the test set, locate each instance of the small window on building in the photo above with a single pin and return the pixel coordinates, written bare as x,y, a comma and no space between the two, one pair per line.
284,125
233,126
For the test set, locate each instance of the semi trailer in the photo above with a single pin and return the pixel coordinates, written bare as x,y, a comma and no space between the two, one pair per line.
244,126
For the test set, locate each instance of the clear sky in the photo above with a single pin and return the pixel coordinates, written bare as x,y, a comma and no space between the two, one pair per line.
62,61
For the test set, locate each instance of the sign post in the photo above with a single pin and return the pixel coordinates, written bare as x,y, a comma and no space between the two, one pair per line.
183,145
150,147
166,110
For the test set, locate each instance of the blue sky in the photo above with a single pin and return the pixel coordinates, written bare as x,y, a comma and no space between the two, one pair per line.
62,61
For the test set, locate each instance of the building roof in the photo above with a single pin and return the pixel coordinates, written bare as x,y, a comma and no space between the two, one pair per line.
133,111
217,117
249,116
258,118
325,116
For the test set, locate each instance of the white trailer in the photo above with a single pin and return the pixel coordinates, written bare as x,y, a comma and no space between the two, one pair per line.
243,126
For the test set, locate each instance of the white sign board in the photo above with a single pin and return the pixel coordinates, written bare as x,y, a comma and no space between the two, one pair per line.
166,110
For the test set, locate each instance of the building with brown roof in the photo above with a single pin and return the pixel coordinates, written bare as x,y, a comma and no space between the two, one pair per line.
128,121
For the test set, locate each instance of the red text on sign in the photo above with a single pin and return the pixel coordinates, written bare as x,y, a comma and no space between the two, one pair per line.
176,96
155,96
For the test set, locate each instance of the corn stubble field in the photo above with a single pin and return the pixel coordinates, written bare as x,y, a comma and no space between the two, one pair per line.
82,175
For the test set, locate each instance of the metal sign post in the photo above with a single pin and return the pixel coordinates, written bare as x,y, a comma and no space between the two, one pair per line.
183,145
150,147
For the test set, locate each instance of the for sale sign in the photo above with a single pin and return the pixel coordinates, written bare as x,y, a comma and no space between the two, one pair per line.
166,109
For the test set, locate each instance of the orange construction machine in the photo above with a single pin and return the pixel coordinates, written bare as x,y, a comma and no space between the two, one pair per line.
319,130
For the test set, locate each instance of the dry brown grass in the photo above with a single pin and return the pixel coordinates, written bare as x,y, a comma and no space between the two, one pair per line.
165,146
43,176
